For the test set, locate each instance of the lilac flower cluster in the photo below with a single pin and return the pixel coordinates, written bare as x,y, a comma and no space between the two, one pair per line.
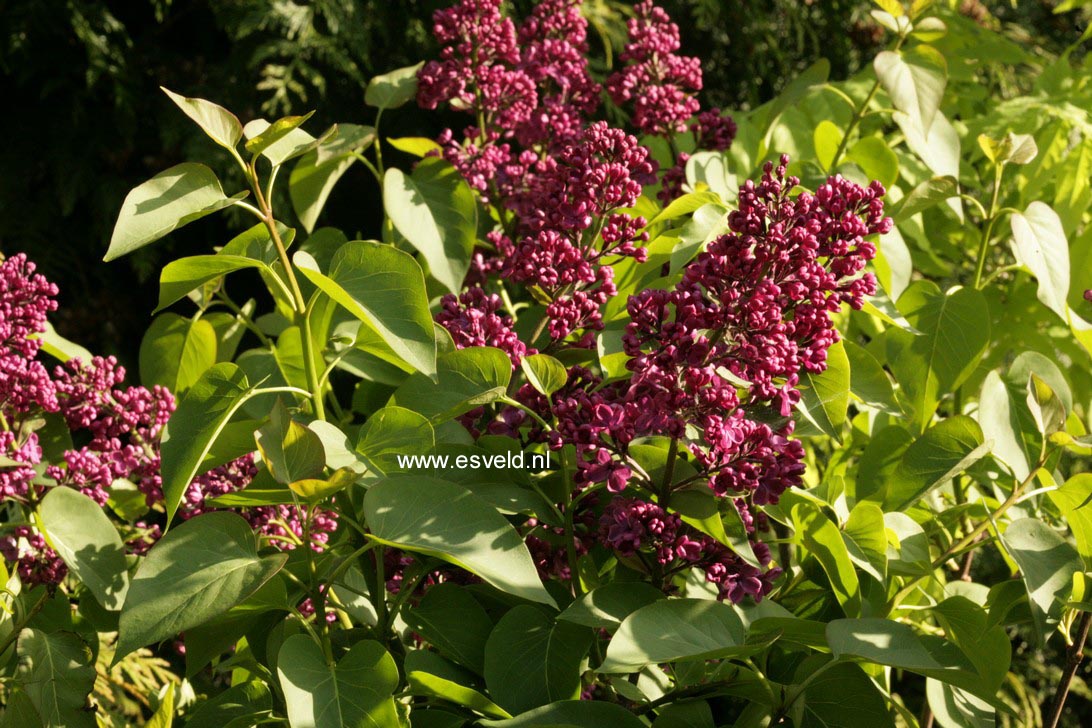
117,428
706,357
472,320
661,84
282,524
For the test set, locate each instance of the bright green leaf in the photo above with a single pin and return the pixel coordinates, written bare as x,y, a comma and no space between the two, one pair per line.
436,212
384,288
173,198
79,531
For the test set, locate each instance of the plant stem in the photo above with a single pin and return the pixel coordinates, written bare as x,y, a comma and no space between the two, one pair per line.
859,113
16,629
984,245
299,305
1073,660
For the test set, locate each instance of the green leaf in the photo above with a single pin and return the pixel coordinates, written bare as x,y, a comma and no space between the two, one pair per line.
545,373
466,378
275,132
438,518
942,452
452,621
822,538
531,660
926,195
701,509
842,697
243,701
355,692
688,714
875,158
1047,563
392,432
314,176
940,150
173,198
435,210
571,714
313,490
181,276
605,607
176,351
193,428
417,146
674,629
886,642
967,625
1041,246
385,289
164,714
79,531
1002,415
865,535
292,143
956,707
429,674
868,381
915,81
392,89
1014,148
827,138
290,450
57,672
1073,499
1046,407
61,348
19,711
708,223
825,400
196,572
684,205
221,125
955,330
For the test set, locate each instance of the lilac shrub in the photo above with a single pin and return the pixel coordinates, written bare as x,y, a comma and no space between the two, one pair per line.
727,343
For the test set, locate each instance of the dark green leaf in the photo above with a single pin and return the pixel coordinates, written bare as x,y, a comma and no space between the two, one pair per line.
674,629
531,660
572,714
197,571
453,621
466,378
441,519
357,692
56,671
